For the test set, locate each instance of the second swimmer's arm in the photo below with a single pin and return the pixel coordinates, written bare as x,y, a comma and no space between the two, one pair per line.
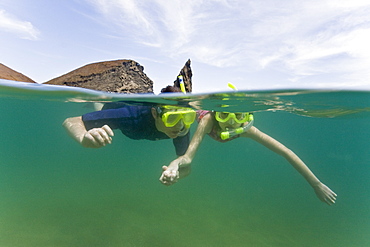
203,128
282,150
323,192
171,173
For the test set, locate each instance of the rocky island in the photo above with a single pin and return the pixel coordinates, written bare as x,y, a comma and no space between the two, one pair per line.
118,76
10,74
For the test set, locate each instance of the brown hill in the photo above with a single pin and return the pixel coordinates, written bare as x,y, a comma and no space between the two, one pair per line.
9,74
121,76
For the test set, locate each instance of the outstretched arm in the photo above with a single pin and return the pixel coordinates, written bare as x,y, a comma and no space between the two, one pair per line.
180,167
323,192
94,138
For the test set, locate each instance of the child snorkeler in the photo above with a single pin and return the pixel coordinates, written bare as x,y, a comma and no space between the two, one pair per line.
150,122
224,126
94,130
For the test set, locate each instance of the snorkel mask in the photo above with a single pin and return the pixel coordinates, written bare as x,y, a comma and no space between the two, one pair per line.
171,115
241,118
224,117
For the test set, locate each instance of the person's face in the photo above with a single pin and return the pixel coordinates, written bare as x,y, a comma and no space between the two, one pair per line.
171,132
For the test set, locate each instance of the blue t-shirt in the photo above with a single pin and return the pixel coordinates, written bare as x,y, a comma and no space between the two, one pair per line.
135,122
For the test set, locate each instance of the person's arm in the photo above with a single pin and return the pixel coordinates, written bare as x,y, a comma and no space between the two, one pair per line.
170,173
323,192
93,138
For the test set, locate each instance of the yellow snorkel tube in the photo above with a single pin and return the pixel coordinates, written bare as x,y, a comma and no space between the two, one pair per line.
182,85
232,86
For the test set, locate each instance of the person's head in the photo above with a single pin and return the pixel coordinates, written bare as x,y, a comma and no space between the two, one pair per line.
228,120
174,121
171,89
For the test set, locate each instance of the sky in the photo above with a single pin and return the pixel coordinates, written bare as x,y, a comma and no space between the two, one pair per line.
265,44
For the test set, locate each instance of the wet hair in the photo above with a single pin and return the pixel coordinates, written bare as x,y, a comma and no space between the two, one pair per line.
171,89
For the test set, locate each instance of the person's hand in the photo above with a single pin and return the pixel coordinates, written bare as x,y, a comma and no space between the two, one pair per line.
170,174
325,194
97,137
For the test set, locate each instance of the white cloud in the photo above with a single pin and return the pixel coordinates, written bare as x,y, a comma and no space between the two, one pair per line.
12,24
298,37
168,24
132,17
334,43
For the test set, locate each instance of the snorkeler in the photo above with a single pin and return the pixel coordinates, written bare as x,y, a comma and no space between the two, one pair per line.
94,130
150,122
223,127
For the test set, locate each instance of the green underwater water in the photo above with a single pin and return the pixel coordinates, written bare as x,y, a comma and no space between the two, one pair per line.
56,193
